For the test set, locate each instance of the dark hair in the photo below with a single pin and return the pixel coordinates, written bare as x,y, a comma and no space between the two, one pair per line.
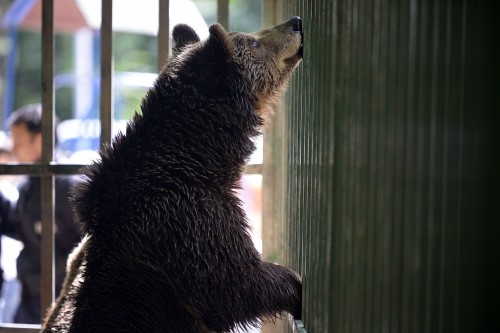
31,116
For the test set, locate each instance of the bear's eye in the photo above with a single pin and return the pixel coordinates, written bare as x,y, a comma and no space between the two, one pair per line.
254,43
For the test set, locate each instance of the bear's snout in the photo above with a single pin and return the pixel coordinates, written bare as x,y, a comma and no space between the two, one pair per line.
296,23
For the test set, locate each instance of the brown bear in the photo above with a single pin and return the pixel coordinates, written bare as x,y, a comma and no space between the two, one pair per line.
166,246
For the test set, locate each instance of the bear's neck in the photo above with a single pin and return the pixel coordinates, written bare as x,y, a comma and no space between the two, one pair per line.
191,138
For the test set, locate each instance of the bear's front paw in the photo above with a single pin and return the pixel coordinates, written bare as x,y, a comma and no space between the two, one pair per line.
297,310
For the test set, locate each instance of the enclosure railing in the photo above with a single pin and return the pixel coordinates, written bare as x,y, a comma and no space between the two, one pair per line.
384,166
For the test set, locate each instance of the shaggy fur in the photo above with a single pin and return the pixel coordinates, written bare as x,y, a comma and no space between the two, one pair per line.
166,246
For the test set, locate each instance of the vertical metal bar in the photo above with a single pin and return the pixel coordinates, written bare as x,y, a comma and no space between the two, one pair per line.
274,171
47,182
223,13
271,163
269,13
106,101
163,31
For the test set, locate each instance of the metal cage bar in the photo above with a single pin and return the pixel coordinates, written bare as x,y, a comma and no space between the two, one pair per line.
19,328
47,181
163,31
223,13
106,102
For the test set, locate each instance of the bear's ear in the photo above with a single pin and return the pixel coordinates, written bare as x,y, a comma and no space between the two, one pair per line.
183,35
218,44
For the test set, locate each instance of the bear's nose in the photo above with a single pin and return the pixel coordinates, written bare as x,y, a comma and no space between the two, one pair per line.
297,27
297,24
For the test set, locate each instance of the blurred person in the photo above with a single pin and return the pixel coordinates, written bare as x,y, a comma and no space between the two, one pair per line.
5,209
9,286
24,223
8,183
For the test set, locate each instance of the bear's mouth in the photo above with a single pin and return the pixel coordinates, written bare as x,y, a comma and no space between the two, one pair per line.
297,27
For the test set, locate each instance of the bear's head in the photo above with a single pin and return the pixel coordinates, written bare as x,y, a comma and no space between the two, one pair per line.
253,67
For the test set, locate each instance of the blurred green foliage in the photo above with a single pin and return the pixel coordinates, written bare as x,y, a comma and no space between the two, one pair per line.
244,15
132,53
28,65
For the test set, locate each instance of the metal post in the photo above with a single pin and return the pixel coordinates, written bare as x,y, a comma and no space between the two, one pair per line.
223,13
163,31
273,180
106,101
47,181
